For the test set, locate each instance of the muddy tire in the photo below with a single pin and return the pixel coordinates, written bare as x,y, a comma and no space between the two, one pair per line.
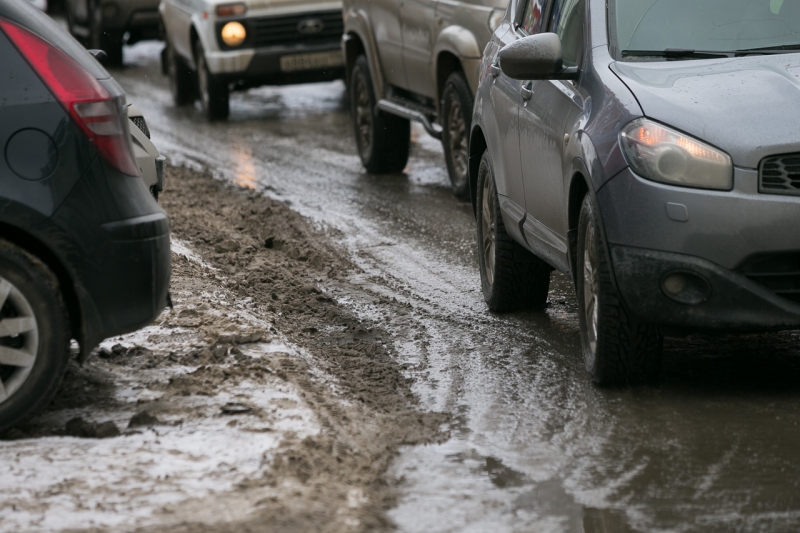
34,335
512,278
457,103
383,140
101,39
214,93
181,82
617,349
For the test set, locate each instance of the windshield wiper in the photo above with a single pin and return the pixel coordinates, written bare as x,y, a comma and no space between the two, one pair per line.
678,53
783,49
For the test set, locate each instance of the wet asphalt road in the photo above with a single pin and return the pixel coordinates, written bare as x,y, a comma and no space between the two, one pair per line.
535,447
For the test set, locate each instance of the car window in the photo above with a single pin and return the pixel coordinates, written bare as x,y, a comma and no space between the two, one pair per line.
532,17
567,21
721,25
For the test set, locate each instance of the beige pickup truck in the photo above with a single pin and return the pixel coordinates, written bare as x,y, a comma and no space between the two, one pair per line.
415,60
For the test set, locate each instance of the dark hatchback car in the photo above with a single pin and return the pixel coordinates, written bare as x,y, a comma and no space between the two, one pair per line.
84,247
651,150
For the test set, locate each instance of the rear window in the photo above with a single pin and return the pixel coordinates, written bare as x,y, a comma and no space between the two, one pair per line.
718,25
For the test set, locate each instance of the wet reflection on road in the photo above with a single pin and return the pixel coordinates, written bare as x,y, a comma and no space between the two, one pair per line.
535,446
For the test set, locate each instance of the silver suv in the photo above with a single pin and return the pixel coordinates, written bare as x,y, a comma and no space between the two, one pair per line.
415,60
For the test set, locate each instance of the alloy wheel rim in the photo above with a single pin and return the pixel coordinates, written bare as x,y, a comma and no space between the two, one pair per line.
457,135
363,114
19,339
590,288
487,226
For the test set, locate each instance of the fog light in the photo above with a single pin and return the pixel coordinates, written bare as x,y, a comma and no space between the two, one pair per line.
233,34
685,287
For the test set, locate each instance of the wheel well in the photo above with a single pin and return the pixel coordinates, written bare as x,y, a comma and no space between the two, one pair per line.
446,64
578,189
33,246
353,48
193,38
477,145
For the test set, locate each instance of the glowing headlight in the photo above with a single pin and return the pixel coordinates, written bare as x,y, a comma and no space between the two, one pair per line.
662,154
233,34
495,18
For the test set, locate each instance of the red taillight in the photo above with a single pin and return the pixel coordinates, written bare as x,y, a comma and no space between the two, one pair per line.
85,99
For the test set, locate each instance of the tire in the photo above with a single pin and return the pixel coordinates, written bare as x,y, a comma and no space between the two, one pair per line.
181,81
616,348
512,278
383,140
29,290
214,94
457,103
100,39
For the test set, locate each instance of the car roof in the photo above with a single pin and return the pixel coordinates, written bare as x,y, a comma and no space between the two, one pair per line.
29,17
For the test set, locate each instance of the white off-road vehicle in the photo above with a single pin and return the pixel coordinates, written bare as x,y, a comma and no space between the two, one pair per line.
215,46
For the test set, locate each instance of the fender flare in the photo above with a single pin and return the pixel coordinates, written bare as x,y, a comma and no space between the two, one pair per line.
357,26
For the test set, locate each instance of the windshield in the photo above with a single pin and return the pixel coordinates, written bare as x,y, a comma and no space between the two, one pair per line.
724,25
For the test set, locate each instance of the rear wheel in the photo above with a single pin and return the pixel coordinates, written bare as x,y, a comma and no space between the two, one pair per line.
457,104
383,140
512,278
214,94
100,39
617,349
34,335
181,84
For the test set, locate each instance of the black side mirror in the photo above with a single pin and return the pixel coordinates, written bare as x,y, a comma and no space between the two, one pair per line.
99,55
536,57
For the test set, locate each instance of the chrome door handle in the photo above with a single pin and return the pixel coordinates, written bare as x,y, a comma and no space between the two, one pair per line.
494,68
526,93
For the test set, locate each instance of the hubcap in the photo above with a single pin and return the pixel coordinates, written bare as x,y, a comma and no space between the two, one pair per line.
457,134
19,339
363,114
590,287
487,228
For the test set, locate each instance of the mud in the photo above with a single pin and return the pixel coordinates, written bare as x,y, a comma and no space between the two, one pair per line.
251,278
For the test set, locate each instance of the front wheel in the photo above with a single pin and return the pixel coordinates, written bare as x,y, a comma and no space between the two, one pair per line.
383,140
34,335
512,278
617,349
457,103
214,94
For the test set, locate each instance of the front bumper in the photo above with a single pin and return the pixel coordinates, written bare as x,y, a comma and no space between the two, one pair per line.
262,66
654,229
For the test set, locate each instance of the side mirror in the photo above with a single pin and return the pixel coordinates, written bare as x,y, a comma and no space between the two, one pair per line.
536,57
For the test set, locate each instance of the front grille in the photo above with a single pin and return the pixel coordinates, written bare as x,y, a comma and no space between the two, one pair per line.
269,31
778,272
780,174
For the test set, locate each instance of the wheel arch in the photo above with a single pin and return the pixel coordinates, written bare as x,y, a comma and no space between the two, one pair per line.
37,248
579,187
358,39
477,146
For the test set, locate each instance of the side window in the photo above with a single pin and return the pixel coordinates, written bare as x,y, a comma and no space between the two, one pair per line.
532,17
567,21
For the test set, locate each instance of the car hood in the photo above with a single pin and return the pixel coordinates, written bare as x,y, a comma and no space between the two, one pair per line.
749,107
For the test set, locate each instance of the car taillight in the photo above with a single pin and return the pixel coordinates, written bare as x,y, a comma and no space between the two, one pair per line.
89,104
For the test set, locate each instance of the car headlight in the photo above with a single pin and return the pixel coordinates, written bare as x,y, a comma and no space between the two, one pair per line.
495,18
659,153
233,33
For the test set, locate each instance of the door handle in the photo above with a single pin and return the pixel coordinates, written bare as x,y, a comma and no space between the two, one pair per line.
494,68
526,92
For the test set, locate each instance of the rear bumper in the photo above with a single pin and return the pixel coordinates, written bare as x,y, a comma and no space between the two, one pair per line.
113,239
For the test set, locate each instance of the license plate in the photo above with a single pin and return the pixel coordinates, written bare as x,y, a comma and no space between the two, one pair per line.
311,61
